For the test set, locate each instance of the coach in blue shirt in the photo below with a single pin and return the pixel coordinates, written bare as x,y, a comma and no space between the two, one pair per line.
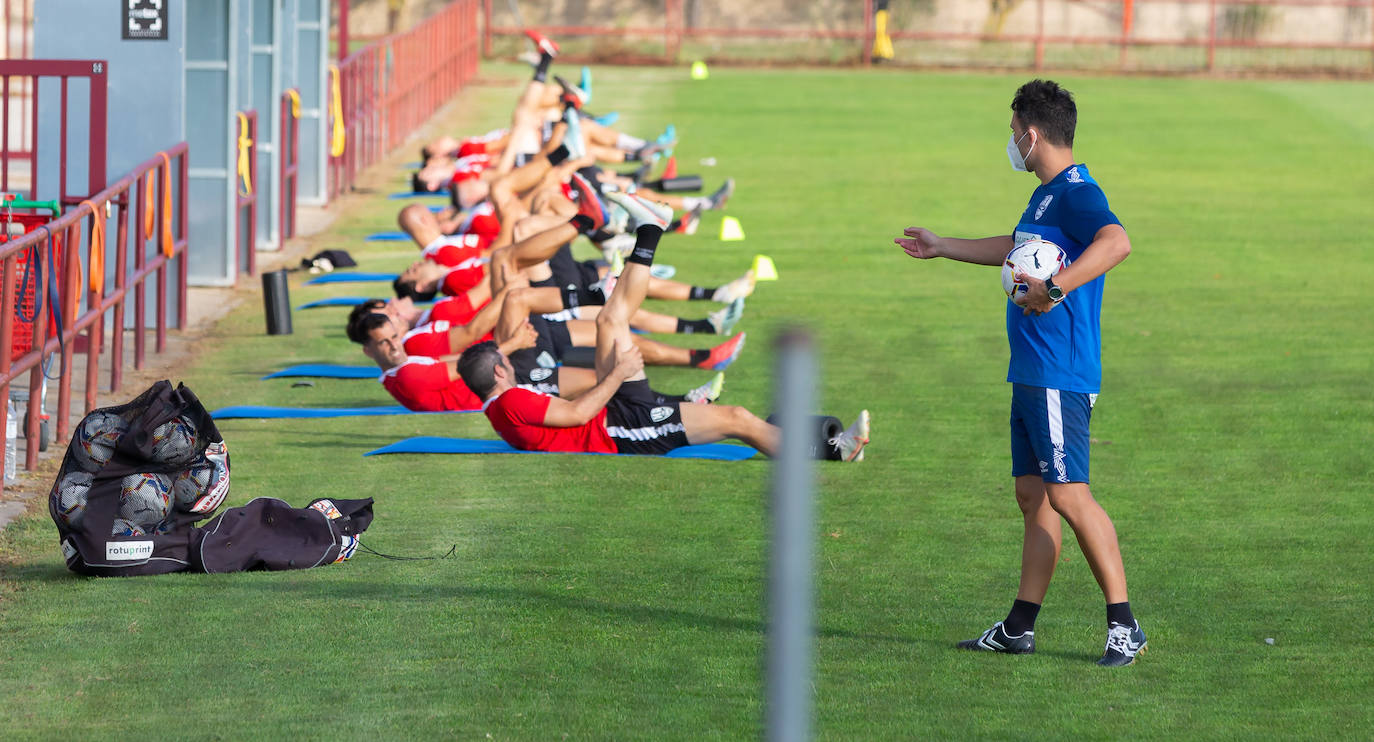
1056,366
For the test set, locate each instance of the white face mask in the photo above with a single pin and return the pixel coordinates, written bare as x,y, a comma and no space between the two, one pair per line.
1018,162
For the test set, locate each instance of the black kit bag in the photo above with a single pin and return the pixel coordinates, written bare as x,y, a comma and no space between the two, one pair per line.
137,477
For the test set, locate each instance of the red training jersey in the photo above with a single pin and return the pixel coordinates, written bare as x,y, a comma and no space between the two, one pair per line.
457,310
518,417
423,384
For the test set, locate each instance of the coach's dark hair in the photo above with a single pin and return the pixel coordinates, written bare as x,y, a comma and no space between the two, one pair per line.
425,153
477,366
371,306
1049,108
406,287
418,184
360,332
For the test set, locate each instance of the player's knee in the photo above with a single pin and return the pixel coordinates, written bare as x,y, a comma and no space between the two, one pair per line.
1030,494
408,219
610,318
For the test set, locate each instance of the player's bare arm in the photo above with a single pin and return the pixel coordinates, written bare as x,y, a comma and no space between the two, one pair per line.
572,413
1109,247
924,244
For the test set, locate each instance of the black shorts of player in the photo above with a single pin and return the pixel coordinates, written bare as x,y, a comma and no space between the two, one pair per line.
580,283
552,336
642,421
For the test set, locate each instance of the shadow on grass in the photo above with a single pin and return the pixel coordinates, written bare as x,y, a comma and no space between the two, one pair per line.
639,613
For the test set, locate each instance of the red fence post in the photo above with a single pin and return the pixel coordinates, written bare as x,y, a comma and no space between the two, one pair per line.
486,29
245,199
1211,35
870,31
290,163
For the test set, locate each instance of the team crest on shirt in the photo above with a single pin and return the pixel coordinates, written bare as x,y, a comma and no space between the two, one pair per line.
659,414
1073,176
1044,204
539,374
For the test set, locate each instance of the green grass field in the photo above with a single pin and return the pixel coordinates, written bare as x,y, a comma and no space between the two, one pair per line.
613,598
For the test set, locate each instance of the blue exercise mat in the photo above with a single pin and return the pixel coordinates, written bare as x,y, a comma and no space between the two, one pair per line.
386,237
432,444
345,301
351,277
436,208
326,371
419,194
264,411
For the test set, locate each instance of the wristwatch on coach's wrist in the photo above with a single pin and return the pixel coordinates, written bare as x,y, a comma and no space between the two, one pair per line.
1056,293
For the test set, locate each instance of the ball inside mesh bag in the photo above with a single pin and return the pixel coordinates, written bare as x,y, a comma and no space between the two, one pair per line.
174,441
94,441
123,527
145,499
72,490
217,488
191,484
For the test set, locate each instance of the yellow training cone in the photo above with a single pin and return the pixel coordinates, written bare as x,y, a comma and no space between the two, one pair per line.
699,71
764,270
730,229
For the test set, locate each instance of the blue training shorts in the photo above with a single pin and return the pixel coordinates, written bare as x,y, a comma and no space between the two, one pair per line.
1049,433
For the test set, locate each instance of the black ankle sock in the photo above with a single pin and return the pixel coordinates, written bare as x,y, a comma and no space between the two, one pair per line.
541,73
1022,617
1120,613
700,293
558,155
582,222
699,356
646,242
695,327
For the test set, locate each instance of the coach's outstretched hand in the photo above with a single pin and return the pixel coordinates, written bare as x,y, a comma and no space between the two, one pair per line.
919,242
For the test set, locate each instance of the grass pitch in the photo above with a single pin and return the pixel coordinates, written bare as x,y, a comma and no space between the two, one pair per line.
614,598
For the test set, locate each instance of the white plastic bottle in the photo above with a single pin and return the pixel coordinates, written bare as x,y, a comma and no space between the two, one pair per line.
11,433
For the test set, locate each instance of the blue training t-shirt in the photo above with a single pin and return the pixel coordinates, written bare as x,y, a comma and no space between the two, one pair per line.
1063,348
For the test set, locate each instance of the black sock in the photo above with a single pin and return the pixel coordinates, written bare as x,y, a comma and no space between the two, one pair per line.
1022,617
558,155
541,73
695,327
1120,613
700,293
646,242
700,356
582,222
674,225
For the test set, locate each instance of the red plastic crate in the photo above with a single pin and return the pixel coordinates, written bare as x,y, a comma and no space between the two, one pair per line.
26,294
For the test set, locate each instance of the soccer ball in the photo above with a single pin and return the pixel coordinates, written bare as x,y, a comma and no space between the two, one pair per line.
1035,258
145,499
123,527
204,486
72,491
96,438
174,441
191,484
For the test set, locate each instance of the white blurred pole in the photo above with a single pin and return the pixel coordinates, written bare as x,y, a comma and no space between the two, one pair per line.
791,590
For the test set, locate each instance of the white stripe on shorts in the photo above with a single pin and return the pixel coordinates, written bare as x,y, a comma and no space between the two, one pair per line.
1056,425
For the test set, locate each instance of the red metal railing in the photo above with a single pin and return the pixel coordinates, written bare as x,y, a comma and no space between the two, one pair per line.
246,193
1117,26
290,163
392,86
160,216
27,73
